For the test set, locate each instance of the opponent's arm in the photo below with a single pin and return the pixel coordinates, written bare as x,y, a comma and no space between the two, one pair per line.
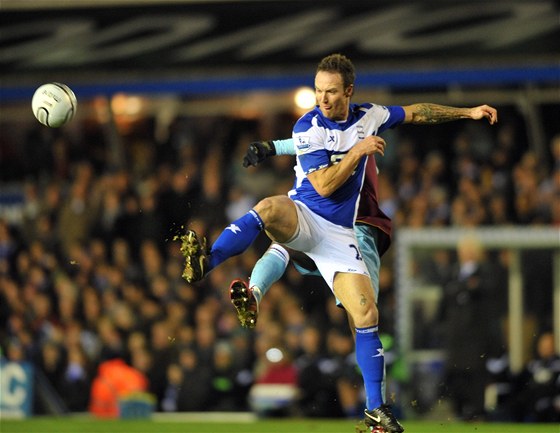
258,151
427,113
329,179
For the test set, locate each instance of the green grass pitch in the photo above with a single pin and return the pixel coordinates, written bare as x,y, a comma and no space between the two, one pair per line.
70,425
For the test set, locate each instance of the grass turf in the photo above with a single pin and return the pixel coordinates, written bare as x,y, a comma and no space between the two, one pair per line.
70,425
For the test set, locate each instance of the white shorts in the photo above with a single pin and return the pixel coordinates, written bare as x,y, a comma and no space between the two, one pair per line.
367,240
333,248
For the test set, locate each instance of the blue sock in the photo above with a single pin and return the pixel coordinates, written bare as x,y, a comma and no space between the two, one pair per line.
268,269
371,360
236,238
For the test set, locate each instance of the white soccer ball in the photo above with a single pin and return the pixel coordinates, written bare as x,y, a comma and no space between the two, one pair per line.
54,104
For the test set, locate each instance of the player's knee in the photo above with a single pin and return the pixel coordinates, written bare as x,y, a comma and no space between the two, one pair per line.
366,316
265,208
273,209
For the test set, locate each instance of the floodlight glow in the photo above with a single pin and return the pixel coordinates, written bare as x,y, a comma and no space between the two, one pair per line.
304,98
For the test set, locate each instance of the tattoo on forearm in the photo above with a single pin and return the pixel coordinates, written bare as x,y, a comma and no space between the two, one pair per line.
433,113
363,300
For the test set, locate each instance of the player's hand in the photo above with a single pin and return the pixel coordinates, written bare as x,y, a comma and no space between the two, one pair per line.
485,111
257,152
370,145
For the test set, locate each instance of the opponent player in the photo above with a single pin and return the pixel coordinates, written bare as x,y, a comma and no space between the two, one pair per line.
317,218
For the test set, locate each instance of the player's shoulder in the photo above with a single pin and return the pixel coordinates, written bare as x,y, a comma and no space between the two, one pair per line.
392,114
363,106
367,109
307,121
368,106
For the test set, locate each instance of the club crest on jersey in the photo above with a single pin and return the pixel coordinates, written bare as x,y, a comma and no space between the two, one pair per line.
360,131
302,143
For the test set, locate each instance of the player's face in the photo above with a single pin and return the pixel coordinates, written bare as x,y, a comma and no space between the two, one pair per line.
333,99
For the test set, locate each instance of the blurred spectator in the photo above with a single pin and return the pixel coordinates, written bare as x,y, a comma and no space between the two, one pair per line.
105,223
317,392
114,380
15,351
343,373
227,394
195,389
170,401
75,218
536,390
210,204
469,318
8,247
52,363
163,354
178,196
76,381
275,390
127,223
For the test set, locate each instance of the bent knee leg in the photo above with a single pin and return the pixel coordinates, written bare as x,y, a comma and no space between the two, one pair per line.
279,216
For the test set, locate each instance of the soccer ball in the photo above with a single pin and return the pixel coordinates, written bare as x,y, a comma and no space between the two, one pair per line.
54,104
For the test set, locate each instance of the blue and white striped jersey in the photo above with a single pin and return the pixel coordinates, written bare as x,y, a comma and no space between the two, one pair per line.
321,142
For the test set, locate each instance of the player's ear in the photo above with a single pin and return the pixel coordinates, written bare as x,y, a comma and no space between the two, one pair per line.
349,90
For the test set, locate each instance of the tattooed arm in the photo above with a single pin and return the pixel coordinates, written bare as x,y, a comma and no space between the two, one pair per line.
429,114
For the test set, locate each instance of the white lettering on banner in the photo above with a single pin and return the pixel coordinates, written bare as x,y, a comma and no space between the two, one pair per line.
262,39
58,34
493,30
14,386
185,38
70,43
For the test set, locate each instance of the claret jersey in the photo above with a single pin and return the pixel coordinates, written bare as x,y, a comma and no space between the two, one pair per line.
320,142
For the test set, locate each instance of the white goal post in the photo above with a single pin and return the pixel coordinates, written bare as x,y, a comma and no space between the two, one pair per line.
513,238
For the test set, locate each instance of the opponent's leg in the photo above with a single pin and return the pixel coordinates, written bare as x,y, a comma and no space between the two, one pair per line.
268,269
245,303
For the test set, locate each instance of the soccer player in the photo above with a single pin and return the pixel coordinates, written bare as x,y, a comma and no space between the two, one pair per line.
317,217
373,230
372,227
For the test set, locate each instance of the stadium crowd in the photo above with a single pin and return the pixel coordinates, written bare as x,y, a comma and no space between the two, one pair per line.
90,271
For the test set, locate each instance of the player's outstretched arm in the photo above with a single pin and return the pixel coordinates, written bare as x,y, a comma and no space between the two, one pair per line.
427,113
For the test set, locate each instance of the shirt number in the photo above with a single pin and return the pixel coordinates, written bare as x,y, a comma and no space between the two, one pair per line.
355,248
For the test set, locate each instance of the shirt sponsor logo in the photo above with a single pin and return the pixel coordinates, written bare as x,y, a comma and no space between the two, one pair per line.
367,330
312,169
